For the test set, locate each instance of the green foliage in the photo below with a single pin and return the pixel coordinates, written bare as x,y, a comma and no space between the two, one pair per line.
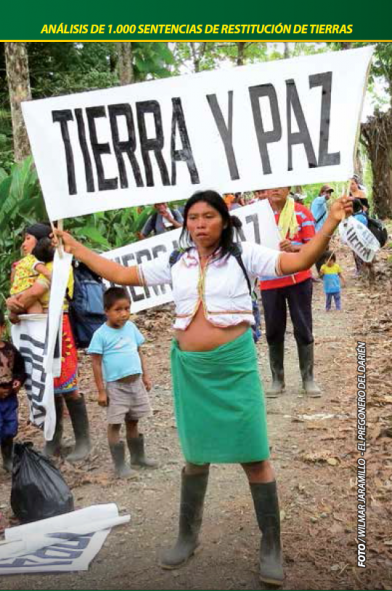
197,57
59,68
20,204
151,60
110,229
6,147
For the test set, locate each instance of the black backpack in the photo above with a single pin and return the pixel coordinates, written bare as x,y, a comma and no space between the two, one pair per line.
86,312
378,230
236,252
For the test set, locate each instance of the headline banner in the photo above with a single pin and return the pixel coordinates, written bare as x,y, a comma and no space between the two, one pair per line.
288,122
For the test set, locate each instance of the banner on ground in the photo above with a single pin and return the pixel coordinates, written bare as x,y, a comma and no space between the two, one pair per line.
63,543
274,124
258,225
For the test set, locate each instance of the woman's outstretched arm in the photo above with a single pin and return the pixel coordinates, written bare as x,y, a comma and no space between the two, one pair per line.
103,267
312,251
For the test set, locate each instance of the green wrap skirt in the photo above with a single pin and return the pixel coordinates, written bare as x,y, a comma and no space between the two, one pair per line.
219,403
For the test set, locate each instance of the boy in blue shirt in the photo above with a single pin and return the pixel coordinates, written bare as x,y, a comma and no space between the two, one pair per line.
122,381
331,274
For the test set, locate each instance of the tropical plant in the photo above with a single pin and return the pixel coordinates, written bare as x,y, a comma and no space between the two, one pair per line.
20,204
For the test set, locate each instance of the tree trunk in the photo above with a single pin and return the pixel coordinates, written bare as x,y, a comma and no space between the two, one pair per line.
241,53
358,166
286,50
197,52
17,67
125,68
377,139
346,45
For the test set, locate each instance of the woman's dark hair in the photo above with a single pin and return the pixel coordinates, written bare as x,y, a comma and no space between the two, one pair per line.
44,250
113,295
230,223
357,206
2,318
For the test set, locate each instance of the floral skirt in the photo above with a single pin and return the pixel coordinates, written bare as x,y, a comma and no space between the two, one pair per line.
68,380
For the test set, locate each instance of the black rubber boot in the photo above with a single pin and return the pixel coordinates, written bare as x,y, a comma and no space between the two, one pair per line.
276,358
265,499
7,450
121,467
193,490
136,449
306,362
53,447
78,413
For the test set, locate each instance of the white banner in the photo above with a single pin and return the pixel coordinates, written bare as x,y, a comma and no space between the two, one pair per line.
281,123
68,555
30,337
359,238
258,225
38,338
63,543
58,286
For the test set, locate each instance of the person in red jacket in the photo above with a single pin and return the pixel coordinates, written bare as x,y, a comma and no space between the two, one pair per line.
296,226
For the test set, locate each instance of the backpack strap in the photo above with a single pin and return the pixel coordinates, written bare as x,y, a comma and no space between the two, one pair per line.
320,218
236,251
175,256
154,218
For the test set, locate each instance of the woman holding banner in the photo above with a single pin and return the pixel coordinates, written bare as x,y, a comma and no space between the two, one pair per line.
66,385
218,395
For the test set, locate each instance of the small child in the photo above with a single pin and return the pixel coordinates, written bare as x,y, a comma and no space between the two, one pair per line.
27,270
118,361
331,274
12,378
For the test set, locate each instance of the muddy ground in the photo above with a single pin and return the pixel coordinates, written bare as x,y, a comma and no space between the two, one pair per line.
313,449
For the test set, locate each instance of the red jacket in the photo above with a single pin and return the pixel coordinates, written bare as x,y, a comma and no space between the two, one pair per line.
306,231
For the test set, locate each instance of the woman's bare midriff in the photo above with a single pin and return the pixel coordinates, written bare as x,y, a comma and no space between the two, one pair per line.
201,335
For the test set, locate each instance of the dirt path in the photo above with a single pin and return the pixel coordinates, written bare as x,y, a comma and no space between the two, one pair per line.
314,453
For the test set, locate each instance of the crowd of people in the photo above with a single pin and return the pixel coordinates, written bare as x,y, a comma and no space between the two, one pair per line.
213,357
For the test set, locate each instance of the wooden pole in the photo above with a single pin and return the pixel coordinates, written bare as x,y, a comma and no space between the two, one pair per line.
60,244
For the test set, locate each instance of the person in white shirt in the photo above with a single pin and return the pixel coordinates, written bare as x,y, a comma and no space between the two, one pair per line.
218,396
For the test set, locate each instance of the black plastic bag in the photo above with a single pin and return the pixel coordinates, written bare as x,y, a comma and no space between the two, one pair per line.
38,489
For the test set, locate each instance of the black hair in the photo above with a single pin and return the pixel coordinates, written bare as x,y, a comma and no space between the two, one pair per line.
39,230
231,223
2,318
357,206
329,255
113,295
44,250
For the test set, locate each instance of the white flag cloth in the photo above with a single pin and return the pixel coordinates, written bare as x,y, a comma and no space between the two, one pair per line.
29,336
359,238
38,338
64,543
